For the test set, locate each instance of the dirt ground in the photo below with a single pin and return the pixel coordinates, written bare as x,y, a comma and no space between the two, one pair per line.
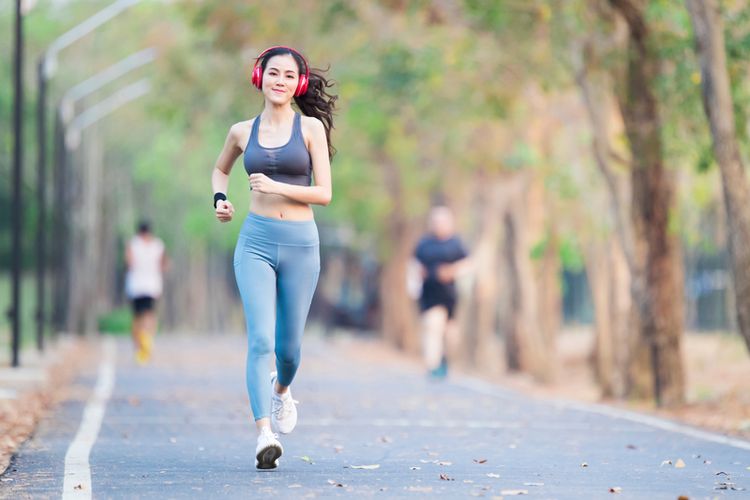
19,416
717,370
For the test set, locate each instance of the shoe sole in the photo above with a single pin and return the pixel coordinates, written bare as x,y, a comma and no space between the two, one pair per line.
267,457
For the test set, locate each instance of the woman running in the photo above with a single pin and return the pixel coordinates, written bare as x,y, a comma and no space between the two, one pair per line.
277,259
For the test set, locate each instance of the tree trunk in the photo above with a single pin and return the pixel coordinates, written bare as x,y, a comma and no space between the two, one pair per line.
398,311
599,278
526,348
717,103
85,255
478,312
609,279
550,293
630,365
652,198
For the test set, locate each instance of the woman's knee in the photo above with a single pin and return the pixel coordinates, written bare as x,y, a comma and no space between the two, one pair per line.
259,346
288,354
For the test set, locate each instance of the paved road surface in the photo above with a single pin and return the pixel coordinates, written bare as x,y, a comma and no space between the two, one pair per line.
180,428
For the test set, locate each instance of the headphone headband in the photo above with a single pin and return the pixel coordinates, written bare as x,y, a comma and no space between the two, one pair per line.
257,74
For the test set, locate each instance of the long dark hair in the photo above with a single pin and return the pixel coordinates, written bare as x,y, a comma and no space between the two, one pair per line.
316,102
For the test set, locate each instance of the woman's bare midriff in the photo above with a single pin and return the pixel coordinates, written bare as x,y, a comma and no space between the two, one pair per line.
278,207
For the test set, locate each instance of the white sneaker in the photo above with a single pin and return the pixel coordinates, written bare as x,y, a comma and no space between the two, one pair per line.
268,451
283,409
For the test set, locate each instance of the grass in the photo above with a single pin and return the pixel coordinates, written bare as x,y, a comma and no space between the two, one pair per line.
115,322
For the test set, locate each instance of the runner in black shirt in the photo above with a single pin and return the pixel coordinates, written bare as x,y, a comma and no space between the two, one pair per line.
442,256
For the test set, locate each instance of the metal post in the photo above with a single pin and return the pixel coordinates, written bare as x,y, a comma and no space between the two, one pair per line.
41,252
57,217
16,183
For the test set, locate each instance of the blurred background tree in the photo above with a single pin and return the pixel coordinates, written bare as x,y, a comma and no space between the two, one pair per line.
569,137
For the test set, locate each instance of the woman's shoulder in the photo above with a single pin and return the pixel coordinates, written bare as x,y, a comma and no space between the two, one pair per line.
311,123
243,126
240,131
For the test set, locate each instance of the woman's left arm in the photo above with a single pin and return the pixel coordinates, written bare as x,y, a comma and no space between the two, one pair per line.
320,193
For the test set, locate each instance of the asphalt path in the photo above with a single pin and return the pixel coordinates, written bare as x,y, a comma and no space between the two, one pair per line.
370,425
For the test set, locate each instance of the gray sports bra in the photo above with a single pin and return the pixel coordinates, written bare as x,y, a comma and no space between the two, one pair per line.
289,163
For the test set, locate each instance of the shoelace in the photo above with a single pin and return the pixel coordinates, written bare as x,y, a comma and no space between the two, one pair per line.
280,407
270,434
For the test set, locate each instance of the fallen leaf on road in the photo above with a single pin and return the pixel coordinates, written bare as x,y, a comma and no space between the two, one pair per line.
679,464
683,497
307,459
727,486
445,477
335,483
492,474
514,492
368,467
615,489
480,460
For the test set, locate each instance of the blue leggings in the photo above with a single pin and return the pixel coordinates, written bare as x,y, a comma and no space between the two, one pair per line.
276,264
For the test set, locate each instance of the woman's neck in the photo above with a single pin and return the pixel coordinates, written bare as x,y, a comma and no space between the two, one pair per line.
275,115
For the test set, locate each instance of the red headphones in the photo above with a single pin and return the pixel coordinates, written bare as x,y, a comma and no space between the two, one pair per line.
257,76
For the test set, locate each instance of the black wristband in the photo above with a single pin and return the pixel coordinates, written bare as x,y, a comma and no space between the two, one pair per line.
219,196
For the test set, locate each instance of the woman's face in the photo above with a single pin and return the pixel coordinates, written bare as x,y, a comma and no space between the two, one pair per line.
280,78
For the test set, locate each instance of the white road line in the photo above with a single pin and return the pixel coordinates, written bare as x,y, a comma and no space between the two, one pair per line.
77,479
482,387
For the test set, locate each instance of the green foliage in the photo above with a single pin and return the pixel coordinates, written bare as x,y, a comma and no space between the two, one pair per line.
427,102
571,255
116,321
569,252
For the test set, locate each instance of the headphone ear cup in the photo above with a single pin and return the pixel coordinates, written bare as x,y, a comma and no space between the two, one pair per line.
302,85
257,76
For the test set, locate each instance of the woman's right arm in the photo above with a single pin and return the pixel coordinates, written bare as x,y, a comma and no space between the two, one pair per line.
220,174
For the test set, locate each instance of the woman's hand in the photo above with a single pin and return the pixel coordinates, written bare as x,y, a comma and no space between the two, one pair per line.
261,183
224,210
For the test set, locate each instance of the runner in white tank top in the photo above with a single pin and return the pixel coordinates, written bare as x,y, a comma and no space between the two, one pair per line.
146,261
